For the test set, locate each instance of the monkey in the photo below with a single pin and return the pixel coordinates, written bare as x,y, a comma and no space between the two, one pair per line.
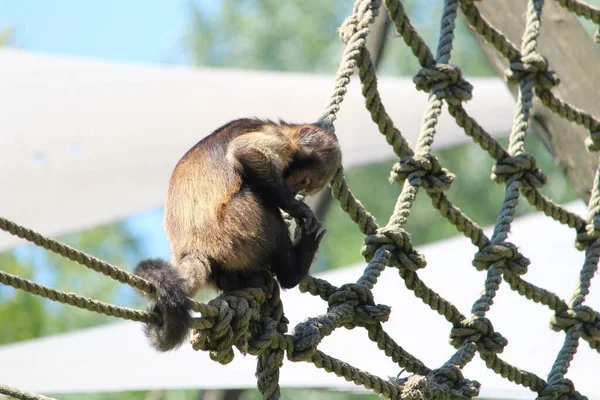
223,216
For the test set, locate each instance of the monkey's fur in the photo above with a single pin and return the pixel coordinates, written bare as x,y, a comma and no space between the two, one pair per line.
223,215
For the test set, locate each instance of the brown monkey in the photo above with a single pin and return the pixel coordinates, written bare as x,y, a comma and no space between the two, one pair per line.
223,215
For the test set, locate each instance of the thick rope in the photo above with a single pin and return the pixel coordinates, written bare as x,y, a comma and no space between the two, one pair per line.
78,256
353,32
581,9
368,79
22,394
330,364
253,321
462,222
86,260
75,300
557,384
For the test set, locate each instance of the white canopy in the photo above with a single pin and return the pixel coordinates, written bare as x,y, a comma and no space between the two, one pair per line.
84,143
117,357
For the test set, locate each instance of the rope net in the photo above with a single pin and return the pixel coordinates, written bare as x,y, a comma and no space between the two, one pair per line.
255,323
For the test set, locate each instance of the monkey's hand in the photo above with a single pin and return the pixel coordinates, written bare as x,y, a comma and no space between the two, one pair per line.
300,211
309,241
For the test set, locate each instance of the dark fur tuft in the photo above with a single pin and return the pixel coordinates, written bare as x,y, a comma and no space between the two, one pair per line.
171,304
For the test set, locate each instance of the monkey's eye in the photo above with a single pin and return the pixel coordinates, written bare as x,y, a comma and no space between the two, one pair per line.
305,181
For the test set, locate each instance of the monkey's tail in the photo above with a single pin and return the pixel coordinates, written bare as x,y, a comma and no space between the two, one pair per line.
171,303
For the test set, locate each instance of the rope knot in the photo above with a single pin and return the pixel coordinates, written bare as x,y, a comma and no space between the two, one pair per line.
398,242
361,299
535,64
520,166
446,78
588,235
562,389
444,383
480,331
588,318
351,292
236,310
422,170
503,254
268,332
348,28
304,342
363,14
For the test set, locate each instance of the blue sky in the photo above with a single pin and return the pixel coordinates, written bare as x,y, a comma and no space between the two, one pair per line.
118,30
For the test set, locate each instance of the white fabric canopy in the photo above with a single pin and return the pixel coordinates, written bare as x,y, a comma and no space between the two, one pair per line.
84,142
117,357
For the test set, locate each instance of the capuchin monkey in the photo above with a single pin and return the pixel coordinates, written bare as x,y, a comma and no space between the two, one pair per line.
223,216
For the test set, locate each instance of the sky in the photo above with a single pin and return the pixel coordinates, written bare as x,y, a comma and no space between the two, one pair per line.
132,31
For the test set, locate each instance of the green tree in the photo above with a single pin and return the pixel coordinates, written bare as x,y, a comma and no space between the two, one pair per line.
32,316
266,34
6,36
301,35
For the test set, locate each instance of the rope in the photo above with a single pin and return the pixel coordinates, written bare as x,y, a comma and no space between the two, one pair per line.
253,320
88,261
581,9
73,299
353,32
77,256
21,394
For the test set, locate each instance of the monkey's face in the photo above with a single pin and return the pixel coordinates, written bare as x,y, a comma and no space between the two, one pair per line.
302,181
309,181
320,159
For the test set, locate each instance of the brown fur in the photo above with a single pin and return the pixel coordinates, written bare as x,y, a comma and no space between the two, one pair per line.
223,212
208,214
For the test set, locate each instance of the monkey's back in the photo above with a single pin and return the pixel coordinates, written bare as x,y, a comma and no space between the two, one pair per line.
209,211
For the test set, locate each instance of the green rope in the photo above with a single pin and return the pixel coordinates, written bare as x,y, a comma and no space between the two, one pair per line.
353,32
488,32
581,9
77,256
21,394
86,260
368,78
573,114
253,320
391,349
349,204
332,365
556,378
75,300
409,33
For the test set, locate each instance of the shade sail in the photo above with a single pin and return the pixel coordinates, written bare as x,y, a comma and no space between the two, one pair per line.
85,142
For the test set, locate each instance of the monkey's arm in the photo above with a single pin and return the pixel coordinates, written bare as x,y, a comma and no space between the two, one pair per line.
263,157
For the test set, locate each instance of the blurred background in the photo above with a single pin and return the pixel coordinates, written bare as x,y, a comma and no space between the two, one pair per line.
292,36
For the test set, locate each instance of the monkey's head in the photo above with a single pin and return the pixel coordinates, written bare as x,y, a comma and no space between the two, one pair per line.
316,162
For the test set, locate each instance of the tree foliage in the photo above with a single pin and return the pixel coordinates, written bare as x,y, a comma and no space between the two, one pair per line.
32,316
301,36
6,36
